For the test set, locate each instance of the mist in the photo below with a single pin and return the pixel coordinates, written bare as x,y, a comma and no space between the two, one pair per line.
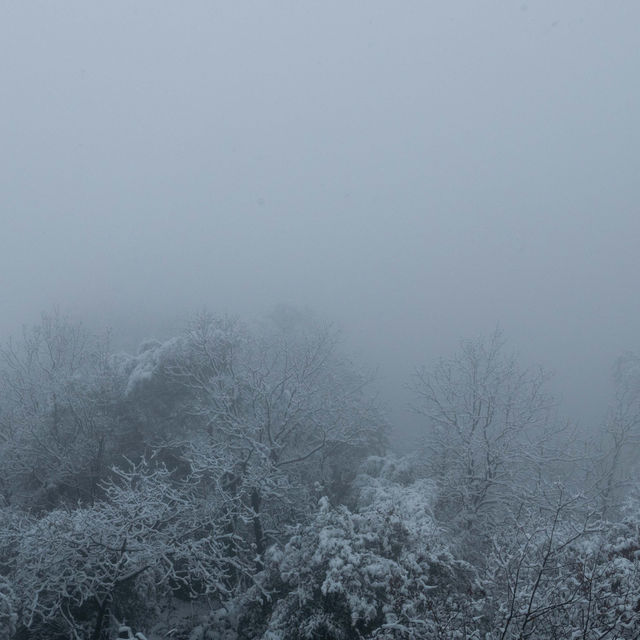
319,320
417,173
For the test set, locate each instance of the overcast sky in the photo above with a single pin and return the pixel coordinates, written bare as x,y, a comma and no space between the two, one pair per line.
417,171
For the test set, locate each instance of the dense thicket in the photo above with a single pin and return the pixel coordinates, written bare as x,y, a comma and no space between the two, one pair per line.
235,482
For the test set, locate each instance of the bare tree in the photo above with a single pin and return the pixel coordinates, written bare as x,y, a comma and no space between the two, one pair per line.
489,429
617,462
54,420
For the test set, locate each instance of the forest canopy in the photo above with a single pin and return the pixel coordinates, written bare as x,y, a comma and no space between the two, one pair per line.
240,480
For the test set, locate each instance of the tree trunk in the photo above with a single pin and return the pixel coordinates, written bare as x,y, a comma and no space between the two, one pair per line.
102,611
258,533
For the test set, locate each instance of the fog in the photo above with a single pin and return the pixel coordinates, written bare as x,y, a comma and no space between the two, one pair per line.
416,172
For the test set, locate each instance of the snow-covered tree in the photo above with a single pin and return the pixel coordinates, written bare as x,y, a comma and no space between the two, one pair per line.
283,403
151,538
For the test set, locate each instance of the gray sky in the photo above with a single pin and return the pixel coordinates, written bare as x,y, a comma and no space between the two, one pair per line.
417,171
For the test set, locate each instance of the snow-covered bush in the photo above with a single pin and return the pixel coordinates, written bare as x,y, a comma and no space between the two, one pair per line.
381,571
11,523
8,613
